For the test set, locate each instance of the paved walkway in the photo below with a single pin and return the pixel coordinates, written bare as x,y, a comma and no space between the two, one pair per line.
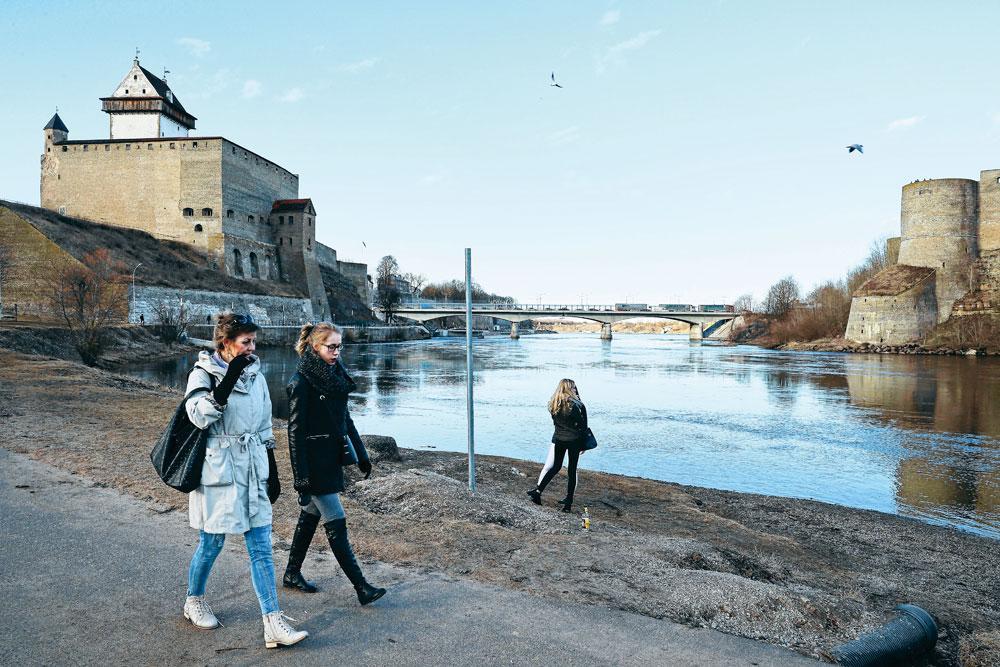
89,576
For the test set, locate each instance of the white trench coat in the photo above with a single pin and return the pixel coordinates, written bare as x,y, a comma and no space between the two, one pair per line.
232,497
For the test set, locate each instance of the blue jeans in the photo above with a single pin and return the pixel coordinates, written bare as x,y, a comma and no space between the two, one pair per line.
258,541
327,506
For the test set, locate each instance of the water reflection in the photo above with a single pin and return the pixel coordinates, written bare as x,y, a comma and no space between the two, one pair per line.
913,435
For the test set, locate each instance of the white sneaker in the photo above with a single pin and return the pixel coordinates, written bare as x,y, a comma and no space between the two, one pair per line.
277,631
199,613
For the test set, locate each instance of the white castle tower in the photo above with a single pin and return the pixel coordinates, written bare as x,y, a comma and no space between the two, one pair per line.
144,107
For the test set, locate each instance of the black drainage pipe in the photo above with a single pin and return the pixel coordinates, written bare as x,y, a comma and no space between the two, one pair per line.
903,641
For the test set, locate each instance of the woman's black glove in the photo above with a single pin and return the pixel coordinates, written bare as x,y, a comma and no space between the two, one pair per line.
304,499
366,467
236,367
273,484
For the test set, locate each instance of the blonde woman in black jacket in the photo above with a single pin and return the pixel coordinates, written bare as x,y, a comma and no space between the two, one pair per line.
321,437
569,417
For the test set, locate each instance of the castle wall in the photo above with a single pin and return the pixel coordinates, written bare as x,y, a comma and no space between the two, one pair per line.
135,125
939,221
989,210
326,256
357,273
203,304
250,185
171,128
896,319
141,185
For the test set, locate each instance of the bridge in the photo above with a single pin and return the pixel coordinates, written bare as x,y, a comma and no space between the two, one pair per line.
704,324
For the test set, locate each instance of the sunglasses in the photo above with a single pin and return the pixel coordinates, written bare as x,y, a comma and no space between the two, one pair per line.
243,319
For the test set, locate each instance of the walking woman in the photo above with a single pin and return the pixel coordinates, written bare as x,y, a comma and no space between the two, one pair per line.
322,439
239,478
569,416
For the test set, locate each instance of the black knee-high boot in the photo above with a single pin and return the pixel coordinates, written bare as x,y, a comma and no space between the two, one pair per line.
304,531
336,532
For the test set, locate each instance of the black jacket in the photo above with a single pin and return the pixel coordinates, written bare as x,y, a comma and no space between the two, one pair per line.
571,426
317,425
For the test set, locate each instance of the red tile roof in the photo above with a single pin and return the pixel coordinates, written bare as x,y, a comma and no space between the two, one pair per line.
290,205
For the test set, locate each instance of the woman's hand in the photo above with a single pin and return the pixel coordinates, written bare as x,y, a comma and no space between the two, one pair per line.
233,372
366,467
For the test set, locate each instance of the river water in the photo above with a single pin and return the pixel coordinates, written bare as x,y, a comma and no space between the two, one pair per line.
913,435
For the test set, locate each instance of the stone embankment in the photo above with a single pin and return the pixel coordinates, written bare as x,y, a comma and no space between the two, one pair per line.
842,345
789,572
286,336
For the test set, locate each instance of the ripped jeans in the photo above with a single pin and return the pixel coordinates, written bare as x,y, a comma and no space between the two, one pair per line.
258,541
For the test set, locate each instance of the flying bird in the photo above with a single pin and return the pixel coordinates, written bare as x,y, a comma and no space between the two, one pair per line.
855,147
554,84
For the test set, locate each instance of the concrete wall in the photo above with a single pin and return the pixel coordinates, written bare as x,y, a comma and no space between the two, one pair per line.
896,319
202,304
939,221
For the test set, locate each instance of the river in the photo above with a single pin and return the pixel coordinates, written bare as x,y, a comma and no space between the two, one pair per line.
913,435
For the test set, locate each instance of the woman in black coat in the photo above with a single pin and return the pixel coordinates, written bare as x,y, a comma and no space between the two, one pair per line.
322,439
569,418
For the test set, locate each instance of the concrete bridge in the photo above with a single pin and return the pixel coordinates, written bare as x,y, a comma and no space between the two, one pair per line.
704,324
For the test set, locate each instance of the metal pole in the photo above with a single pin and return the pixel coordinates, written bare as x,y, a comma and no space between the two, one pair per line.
468,368
133,287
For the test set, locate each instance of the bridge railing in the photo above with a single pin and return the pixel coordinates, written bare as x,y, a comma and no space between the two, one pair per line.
550,307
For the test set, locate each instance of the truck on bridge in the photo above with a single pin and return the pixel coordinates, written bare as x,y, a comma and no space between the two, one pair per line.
631,307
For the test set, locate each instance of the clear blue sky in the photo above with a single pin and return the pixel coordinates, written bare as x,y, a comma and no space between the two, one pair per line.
696,151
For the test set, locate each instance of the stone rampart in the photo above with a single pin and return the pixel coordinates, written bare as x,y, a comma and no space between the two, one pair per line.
203,304
894,319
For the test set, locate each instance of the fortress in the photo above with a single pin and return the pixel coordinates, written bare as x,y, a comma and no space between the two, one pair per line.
948,262
240,208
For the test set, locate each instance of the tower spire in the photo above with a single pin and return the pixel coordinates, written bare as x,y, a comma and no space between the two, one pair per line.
136,61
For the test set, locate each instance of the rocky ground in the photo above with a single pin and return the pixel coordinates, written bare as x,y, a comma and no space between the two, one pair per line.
842,345
789,572
126,344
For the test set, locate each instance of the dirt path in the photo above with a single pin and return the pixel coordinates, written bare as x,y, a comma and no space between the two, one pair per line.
794,573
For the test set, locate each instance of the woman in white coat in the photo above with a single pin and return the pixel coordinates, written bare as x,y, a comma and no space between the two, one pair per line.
228,396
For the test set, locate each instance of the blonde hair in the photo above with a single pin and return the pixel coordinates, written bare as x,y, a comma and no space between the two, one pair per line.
563,397
227,328
314,334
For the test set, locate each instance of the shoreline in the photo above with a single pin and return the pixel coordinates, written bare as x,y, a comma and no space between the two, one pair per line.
796,573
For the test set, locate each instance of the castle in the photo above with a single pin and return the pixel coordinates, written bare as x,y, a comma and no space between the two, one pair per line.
238,207
948,261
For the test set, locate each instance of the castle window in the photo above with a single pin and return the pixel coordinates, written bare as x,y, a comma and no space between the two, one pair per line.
135,77
65,149
281,240
107,147
188,212
194,144
309,221
229,213
309,244
149,147
206,213
254,269
128,147
249,218
198,228
86,148
143,91
281,219
234,150
290,241
291,219
173,146
237,262
126,91
48,150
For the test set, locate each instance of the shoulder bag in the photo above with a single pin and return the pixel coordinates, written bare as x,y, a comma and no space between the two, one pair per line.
179,453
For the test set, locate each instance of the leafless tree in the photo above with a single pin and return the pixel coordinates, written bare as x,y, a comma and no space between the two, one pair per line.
781,297
172,319
88,297
416,280
386,271
743,304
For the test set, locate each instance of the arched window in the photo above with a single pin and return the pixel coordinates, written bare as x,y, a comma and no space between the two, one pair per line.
254,269
198,228
188,212
206,213
229,213
237,262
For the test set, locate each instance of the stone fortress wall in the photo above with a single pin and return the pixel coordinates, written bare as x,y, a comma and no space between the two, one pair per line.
949,225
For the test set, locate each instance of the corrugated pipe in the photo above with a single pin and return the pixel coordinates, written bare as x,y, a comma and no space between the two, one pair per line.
903,641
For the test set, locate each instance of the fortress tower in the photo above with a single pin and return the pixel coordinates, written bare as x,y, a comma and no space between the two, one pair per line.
143,106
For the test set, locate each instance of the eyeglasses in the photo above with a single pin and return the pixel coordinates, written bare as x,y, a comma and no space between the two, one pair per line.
243,319
334,347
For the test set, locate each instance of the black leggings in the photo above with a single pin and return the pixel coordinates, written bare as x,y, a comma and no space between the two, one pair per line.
554,464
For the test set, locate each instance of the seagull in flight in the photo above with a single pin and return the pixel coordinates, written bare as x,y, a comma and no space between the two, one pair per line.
554,84
855,147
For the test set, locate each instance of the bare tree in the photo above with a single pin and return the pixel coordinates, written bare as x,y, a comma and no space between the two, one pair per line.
387,296
781,297
88,297
172,319
416,280
6,268
743,304
386,271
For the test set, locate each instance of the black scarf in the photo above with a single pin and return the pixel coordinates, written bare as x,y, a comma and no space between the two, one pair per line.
327,378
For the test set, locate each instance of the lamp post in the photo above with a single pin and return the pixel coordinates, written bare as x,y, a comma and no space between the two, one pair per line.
133,286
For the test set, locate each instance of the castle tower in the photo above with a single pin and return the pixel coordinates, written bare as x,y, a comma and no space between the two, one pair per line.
55,130
939,221
144,107
293,222
989,210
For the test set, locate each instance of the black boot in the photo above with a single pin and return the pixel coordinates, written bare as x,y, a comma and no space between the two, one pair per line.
304,531
535,495
336,532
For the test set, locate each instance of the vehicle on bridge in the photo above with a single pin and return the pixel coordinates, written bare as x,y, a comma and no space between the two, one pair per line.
716,308
631,307
676,307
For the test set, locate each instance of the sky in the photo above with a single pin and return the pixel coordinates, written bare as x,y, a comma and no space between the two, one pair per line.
695,152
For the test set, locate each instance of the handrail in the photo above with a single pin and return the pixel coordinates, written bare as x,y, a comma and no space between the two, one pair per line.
583,308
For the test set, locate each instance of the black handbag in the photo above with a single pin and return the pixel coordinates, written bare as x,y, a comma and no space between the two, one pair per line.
590,442
180,451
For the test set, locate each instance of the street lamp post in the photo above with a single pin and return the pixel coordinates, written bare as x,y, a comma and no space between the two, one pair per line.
133,286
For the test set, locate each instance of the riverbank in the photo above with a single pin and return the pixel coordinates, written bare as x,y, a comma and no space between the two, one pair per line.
843,345
789,572
125,344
